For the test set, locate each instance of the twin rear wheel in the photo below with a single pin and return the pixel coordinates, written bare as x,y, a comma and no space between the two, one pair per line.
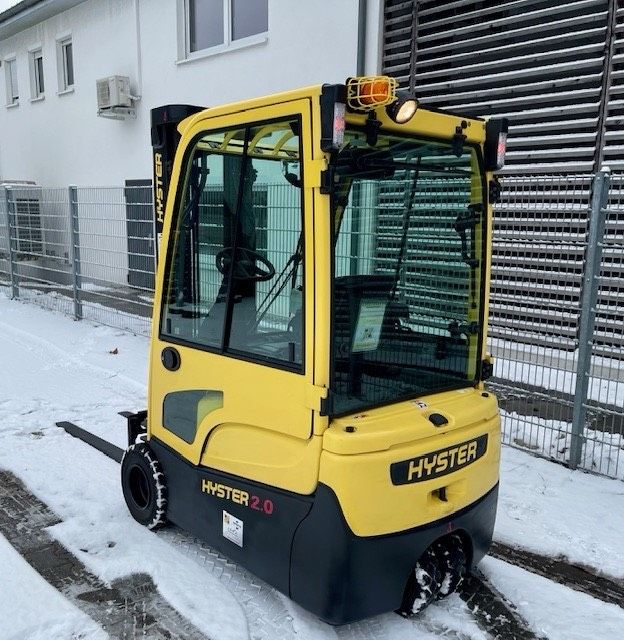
438,573
143,484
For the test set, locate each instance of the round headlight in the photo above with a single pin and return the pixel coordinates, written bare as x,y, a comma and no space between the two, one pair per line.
403,108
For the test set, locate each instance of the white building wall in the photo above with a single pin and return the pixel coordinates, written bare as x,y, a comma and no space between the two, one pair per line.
60,140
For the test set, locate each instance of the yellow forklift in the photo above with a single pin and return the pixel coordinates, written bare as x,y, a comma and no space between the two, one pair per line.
316,402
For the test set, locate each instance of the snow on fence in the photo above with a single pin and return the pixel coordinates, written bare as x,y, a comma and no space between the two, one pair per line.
89,252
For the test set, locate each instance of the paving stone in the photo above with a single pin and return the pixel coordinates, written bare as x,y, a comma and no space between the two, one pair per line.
128,609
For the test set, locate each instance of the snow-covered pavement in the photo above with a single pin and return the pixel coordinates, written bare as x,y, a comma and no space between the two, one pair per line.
57,369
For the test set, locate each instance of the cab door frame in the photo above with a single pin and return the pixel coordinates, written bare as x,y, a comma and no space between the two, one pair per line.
265,404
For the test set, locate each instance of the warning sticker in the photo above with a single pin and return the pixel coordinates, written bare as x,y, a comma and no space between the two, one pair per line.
232,528
368,330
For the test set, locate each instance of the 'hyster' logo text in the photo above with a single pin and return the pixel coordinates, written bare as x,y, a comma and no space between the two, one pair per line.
239,496
438,463
223,491
158,187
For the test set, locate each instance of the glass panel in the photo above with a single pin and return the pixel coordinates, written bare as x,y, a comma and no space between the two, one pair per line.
205,19
249,17
12,70
183,411
244,234
267,314
39,83
196,293
408,269
68,63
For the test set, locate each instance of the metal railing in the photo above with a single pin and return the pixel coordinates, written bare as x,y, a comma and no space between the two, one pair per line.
557,295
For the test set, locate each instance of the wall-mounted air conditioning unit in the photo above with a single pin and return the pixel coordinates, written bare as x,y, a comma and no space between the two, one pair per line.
114,99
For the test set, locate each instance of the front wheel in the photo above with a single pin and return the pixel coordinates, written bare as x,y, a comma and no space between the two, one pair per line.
143,485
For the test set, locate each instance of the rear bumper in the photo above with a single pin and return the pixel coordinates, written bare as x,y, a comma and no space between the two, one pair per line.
342,577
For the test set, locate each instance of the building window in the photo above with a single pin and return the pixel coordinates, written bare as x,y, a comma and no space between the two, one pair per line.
10,70
37,83
219,24
65,62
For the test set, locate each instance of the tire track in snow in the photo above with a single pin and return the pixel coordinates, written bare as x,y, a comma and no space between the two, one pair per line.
576,577
494,613
127,609
27,341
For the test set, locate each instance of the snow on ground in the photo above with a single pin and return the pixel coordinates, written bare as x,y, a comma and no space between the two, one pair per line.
551,510
554,369
555,611
58,369
603,451
22,616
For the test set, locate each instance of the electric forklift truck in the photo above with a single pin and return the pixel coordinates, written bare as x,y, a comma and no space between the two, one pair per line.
316,406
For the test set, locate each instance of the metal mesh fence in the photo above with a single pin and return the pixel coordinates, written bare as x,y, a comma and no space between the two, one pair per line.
540,297
89,252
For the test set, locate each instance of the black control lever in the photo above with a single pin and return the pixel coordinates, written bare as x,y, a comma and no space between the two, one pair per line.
468,220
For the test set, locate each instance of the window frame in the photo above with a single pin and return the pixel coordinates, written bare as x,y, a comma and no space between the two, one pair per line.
226,350
37,74
61,64
12,91
229,44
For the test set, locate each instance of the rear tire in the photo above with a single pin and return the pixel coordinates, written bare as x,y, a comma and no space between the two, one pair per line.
143,485
452,562
423,585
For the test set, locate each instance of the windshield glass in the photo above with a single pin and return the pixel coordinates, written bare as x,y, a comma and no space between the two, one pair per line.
409,232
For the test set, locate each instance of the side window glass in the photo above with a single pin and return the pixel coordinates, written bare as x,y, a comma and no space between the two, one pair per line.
195,302
267,312
235,281
183,411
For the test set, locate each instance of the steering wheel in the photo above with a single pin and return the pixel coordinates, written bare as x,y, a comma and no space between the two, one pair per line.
245,266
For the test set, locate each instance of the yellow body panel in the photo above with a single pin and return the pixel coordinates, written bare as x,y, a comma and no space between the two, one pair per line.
404,422
372,505
269,428
257,454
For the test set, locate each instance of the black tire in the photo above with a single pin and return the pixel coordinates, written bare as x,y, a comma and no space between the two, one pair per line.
423,585
143,485
452,562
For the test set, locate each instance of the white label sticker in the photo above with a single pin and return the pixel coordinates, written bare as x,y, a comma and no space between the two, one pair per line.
368,328
232,528
420,404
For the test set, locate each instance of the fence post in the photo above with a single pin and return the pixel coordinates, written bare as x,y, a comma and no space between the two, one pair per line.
75,249
589,300
9,199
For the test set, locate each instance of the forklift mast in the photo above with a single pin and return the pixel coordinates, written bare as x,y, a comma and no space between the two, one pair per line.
165,139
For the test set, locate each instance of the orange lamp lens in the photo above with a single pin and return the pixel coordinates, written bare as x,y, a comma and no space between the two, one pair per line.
374,92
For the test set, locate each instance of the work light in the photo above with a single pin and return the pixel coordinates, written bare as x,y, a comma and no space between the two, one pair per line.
403,108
